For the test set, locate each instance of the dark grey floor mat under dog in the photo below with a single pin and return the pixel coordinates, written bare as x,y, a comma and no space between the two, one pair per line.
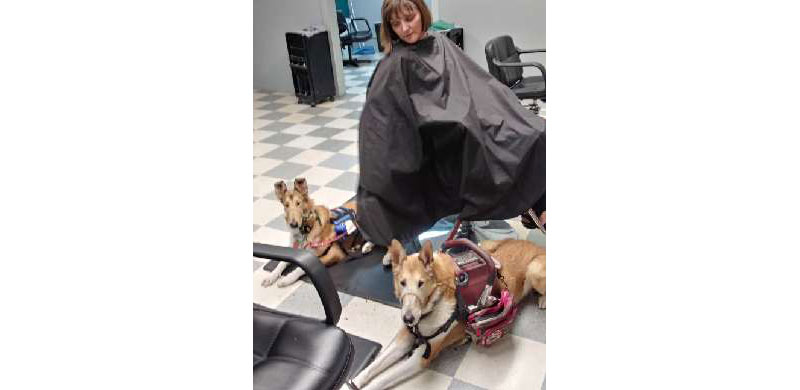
364,277
367,277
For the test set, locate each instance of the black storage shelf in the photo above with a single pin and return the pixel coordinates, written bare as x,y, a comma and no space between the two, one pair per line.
311,66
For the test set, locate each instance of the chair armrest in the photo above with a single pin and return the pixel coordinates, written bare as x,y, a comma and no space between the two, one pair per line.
366,23
315,270
520,65
531,51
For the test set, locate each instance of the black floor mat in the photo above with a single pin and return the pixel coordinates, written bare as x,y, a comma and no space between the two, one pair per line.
368,278
364,277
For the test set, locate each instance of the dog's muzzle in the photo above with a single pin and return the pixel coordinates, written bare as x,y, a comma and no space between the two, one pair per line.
409,317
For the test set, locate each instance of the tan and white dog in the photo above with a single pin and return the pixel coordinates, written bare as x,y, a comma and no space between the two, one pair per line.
311,228
425,285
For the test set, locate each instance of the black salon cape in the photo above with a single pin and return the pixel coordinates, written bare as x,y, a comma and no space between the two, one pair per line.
439,136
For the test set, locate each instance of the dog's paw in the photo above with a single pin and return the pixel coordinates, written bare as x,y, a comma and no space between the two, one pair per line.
542,303
284,282
358,382
367,248
387,259
270,279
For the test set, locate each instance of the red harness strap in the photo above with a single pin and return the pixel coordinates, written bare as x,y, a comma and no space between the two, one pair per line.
321,244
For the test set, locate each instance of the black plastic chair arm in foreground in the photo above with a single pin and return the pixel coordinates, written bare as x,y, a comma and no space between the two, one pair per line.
313,268
520,64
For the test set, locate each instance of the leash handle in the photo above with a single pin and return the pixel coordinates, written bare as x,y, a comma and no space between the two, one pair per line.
480,252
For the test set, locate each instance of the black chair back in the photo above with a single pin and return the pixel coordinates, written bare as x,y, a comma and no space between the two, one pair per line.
503,49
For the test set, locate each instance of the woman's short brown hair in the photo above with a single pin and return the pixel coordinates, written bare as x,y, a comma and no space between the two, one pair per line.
389,8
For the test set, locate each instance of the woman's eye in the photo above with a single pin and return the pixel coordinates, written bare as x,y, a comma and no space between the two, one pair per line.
419,285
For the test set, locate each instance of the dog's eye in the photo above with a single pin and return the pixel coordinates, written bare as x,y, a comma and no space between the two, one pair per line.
297,203
419,285
403,283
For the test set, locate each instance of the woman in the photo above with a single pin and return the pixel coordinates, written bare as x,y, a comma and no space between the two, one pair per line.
406,20
439,136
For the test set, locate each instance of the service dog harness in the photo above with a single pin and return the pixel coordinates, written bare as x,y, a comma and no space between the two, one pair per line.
344,221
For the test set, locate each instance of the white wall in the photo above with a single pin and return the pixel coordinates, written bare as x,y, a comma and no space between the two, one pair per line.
523,20
271,20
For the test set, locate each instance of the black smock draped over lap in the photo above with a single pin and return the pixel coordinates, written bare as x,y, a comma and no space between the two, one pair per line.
439,136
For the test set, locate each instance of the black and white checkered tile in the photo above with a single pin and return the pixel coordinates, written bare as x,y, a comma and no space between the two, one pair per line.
294,140
320,144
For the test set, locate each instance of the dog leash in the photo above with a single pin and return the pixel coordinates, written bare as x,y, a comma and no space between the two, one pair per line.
320,244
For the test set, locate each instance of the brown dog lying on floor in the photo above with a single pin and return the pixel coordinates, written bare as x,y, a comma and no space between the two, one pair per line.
425,285
311,228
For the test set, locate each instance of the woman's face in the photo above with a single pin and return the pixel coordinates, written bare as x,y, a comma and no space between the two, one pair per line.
407,24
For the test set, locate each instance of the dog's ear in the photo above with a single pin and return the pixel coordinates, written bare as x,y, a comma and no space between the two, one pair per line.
397,253
426,254
280,190
301,186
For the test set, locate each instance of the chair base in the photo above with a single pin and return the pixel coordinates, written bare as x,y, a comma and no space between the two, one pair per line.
351,61
534,107
354,62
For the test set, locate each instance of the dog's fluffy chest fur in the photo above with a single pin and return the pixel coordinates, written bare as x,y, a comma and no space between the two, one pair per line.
440,314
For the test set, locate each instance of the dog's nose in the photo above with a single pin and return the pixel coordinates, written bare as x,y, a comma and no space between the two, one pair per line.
293,225
408,318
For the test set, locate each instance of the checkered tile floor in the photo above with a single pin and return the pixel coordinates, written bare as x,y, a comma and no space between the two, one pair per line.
320,144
